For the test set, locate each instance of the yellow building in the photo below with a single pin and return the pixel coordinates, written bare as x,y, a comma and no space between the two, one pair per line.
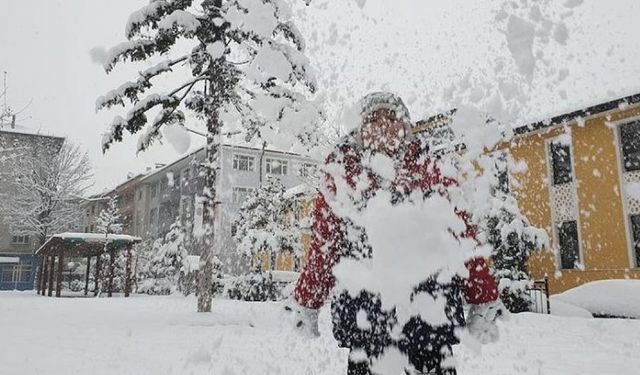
582,186
579,186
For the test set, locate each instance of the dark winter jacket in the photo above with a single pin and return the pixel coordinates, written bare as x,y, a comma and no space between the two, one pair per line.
414,171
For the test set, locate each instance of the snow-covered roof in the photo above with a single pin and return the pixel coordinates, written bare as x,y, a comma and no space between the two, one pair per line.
19,129
97,237
87,239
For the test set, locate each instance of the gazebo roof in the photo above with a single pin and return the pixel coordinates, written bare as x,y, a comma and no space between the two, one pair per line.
86,244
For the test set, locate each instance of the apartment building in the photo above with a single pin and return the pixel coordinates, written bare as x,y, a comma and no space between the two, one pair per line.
17,263
161,196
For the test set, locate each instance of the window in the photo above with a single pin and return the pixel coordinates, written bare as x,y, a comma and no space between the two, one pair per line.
501,172
153,216
240,194
277,166
21,239
18,273
234,229
630,142
635,228
274,260
569,244
184,176
561,162
164,183
140,194
153,190
307,169
297,263
243,163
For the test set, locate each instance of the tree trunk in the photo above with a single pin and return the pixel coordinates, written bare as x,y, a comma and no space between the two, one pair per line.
127,272
218,90
112,266
96,282
86,277
52,262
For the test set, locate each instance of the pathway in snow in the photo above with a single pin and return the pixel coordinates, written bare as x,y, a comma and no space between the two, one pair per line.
162,335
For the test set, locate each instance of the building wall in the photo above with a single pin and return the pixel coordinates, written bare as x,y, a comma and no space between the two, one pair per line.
22,144
604,237
152,214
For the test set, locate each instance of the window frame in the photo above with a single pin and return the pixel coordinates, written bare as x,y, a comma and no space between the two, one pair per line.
635,238
19,273
559,238
21,239
249,159
268,168
306,168
621,145
555,178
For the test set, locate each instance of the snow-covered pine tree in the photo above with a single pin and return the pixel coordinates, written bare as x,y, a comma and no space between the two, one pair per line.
109,221
513,239
168,254
245,64
265,221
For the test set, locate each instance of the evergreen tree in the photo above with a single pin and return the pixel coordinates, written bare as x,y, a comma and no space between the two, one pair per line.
266,221
513,239
109,221
163,272
245,64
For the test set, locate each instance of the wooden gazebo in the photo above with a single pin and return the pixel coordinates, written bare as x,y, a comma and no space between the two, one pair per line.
51,257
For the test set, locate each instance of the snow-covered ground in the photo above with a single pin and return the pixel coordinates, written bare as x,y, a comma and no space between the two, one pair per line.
163,335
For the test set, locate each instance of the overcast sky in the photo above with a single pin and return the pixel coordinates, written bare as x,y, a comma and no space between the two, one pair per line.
414,47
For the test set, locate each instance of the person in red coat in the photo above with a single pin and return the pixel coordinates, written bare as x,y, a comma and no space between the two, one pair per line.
386,129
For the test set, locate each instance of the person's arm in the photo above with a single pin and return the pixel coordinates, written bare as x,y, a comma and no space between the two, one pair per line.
316,280
480,287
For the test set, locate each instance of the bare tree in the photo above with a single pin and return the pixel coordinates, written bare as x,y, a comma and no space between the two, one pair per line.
45,191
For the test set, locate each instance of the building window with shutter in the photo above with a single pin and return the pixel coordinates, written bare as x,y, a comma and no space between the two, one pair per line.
569,244
561,167
630,143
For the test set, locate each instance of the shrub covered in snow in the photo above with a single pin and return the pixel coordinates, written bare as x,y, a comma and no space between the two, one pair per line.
253,287
265,221
164,271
